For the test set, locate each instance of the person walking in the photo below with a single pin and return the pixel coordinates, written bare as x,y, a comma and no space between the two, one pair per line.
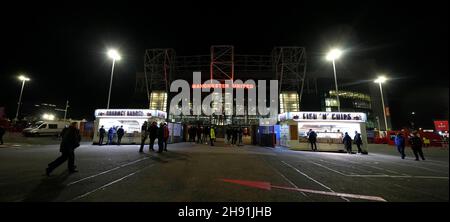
160,137
102,133
312,138
166,136
153,134
400,143
416,146
120,133
70,141
212,135
144,135
358,141
347,140
2,132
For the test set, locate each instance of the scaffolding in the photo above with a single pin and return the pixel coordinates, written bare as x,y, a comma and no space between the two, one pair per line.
289,64
159,67
286,64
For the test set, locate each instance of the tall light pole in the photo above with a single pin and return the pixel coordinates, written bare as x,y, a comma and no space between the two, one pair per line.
332,56
114,55
380,80
65,111
23,79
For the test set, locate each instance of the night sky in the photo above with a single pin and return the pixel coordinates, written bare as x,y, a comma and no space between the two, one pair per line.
62,47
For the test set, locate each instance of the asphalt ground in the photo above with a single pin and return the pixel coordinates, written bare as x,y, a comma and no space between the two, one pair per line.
223,173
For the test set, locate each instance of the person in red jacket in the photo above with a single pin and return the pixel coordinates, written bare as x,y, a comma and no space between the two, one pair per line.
166,136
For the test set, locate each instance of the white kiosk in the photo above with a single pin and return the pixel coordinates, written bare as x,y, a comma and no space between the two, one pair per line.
329,127
130,119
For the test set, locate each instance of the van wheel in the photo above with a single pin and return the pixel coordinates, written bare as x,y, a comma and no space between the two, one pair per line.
36,134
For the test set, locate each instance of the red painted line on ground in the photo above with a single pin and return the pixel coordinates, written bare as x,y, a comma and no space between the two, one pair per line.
267,186
257,184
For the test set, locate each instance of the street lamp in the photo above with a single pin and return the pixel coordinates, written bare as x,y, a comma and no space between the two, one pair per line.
23,79
380,80
114,55
332,56
48,116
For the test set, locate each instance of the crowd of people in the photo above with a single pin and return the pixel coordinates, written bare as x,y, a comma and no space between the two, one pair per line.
201,134
153,132
234,136
115,134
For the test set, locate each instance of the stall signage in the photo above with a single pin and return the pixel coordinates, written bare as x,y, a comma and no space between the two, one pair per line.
323,116
130,113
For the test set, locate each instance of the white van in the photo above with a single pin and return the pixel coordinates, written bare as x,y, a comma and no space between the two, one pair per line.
45,128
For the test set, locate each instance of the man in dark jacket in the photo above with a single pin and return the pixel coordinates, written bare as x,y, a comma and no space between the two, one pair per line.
120,133
312,138
153,134
144,135
160,136
358,141
400,143
70,141
347,140
102,133
416,146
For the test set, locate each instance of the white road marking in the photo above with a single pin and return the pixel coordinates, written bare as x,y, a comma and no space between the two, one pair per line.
107,171
108,184
290,182
312,179
379,175
342,195
333,170
411,165
374,167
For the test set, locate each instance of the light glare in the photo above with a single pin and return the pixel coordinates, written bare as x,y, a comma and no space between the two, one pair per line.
23,78
380,79
113,54
334,54
48,116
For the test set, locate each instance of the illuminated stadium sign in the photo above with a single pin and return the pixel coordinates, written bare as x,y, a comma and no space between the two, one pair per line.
323,116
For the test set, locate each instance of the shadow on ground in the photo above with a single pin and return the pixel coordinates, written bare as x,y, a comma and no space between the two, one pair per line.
48,190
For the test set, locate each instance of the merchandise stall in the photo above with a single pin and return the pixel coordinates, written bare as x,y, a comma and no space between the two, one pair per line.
329,127
131,120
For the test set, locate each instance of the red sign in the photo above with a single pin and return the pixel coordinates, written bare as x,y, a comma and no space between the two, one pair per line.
223,86
441,125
